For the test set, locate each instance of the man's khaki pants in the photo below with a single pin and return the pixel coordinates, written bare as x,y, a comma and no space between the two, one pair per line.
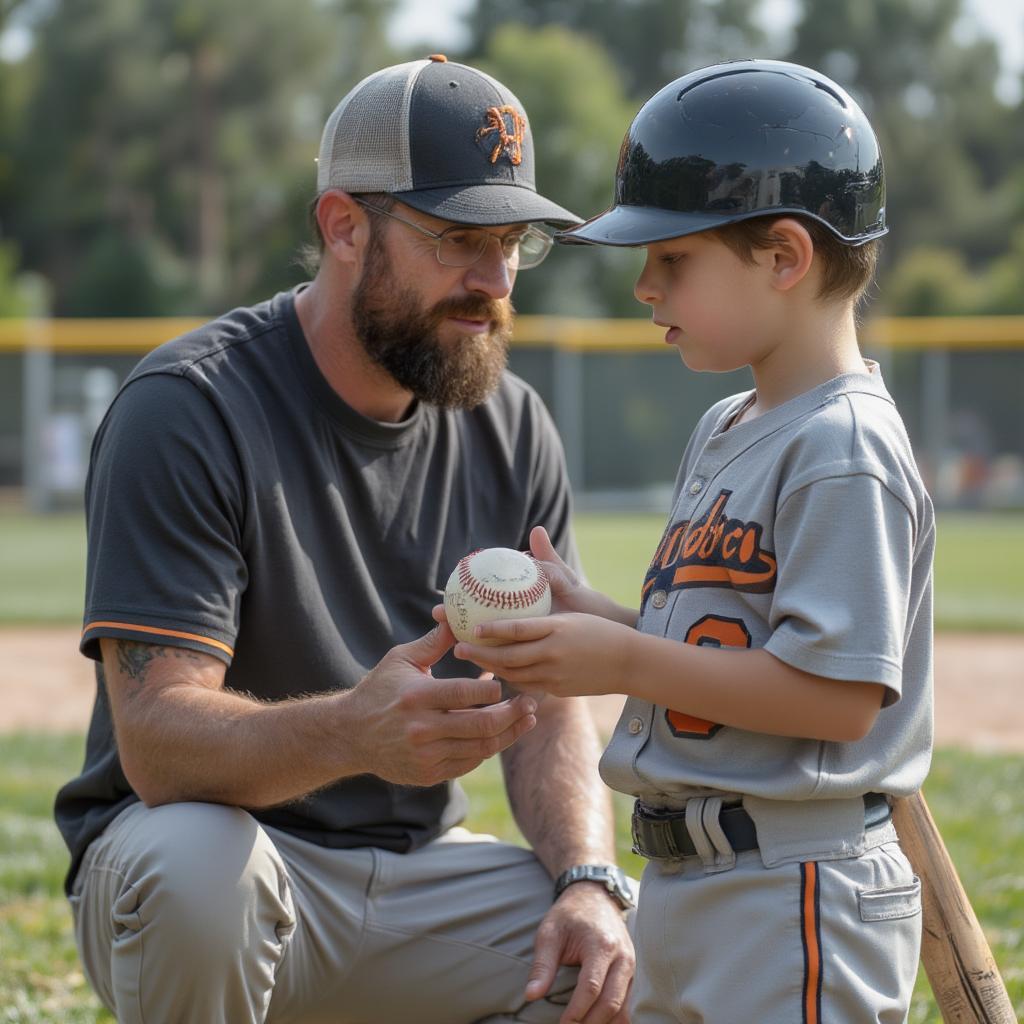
196,913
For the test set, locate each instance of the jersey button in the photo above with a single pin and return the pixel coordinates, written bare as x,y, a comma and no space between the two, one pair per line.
635,726
697,486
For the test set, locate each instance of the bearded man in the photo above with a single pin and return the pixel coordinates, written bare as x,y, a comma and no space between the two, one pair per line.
266,827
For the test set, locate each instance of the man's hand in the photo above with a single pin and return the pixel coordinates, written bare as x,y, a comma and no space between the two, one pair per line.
585,928
417,730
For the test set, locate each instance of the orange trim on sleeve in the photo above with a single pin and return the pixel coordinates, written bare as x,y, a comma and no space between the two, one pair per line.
161,632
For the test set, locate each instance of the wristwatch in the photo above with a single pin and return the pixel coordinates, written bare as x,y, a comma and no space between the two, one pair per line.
611,877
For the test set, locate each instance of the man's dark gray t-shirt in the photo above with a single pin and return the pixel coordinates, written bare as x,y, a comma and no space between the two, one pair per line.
237,506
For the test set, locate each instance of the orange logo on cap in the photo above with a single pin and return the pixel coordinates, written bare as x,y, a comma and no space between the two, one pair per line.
511,127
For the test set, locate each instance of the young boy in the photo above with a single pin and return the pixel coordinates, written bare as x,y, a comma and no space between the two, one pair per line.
778,673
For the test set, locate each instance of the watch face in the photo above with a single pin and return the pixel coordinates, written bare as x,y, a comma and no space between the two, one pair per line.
617,878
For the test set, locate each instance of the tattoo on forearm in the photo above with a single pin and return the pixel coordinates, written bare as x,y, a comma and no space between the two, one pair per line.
134,659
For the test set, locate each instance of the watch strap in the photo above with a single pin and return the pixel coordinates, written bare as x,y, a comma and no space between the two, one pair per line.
613,878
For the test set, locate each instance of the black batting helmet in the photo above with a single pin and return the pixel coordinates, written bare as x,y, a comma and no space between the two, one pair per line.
744,139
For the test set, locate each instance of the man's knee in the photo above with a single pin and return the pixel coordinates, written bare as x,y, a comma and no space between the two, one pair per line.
201,872
197,886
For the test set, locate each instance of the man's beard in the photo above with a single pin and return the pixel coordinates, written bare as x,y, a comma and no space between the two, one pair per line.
402,337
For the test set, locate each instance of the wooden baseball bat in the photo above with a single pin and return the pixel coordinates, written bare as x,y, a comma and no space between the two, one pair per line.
963,974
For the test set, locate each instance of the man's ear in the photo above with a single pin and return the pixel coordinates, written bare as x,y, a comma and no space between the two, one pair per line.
344,225
792,255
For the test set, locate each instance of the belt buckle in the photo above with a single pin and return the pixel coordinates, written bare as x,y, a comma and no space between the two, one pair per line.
642,840
635,833
657,841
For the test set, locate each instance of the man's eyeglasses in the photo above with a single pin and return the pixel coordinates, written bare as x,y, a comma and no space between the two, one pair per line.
462,246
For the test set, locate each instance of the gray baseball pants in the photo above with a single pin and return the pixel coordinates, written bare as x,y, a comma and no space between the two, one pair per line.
195,912
826,942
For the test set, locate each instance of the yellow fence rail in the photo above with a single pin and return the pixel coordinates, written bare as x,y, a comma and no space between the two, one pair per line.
136,335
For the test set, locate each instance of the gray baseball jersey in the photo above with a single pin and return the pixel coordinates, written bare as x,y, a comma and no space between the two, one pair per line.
807,532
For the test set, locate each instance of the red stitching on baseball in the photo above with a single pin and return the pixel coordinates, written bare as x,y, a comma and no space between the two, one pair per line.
502,599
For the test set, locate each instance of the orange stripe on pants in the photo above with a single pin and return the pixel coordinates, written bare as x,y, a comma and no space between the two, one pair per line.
812,943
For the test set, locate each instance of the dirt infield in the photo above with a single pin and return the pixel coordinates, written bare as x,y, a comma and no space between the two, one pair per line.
46,685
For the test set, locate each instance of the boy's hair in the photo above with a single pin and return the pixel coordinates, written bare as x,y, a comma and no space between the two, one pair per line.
310,254
846,270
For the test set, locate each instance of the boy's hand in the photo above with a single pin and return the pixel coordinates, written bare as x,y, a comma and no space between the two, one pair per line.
568,593
566,589
567,655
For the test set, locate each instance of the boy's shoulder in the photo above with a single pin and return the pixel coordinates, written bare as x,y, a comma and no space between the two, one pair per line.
854,429
855,417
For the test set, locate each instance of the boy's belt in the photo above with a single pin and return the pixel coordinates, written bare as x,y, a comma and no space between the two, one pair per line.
662,835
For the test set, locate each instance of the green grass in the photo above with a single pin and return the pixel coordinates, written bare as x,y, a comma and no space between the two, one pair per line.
979,572
42,565
41,978
979,566
616,551
976,800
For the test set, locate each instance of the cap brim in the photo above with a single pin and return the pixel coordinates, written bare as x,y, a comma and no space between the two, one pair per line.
639,225
487,204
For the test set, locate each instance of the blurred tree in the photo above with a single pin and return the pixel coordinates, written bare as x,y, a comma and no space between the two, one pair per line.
167,147
949,143
935,281
932,281
1002,284
650,41
13,86
9,11
13,300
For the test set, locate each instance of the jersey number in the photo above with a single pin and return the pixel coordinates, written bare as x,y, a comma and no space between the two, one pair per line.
711,631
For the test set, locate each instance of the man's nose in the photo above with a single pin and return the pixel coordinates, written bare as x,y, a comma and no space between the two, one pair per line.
491,274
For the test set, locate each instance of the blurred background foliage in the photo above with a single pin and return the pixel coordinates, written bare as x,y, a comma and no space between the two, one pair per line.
157,156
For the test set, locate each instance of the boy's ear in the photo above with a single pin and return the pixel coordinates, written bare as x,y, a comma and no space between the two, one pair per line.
344,225
791,255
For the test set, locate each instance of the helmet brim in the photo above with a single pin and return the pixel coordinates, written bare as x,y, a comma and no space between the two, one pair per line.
641,225
638,225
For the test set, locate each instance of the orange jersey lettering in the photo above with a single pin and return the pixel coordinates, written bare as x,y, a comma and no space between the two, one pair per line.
712,551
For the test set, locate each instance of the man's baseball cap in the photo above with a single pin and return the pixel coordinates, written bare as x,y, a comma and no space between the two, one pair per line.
441,137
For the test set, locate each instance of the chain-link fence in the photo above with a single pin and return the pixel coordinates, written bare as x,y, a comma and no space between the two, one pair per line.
623,402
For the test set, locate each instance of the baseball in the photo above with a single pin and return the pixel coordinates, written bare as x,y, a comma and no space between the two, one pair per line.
494,583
